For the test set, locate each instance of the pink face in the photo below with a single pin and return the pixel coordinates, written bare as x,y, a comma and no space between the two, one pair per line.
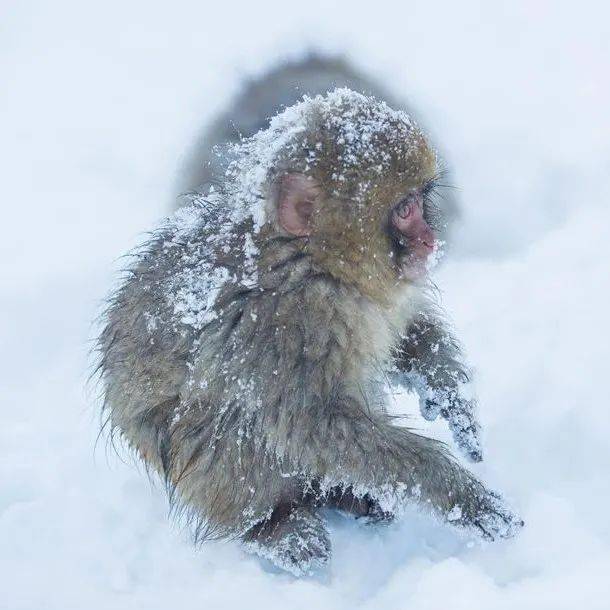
413,238
414,234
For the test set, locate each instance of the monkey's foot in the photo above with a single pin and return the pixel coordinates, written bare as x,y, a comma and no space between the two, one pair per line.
378,516
488,516
297,542
362,507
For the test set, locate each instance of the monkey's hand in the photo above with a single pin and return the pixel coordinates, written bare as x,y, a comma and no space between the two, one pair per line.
460,415
431,363
486,514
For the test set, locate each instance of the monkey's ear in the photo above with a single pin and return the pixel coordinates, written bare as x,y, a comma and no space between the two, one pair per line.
296,198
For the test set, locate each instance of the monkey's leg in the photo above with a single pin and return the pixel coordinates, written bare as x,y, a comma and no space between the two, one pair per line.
293,538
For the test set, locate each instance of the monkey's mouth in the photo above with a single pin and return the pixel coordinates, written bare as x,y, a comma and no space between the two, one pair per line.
415,258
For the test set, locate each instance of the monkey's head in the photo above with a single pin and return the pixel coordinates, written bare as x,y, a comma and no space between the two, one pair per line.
349,181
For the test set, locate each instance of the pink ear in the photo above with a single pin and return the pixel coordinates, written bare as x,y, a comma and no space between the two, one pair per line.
296,198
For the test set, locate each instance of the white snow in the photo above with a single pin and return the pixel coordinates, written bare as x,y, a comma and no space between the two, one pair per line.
98,104
355,118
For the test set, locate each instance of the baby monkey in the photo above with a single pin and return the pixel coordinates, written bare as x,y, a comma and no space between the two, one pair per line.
248,354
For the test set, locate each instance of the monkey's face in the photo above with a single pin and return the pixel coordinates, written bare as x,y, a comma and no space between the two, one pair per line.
413,238
355,186
376,240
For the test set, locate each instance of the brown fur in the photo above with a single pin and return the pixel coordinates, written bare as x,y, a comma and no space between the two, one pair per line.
270,402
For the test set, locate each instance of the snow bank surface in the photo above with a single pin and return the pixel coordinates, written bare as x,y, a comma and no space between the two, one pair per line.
102,101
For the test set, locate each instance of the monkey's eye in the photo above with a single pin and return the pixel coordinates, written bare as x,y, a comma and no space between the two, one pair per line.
405,208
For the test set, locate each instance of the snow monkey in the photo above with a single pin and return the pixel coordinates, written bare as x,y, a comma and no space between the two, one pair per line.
248,353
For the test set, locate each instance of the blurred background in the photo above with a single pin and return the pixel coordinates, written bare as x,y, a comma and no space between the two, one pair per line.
102,112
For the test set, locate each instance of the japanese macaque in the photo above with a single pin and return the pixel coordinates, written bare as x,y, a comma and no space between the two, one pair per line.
247,355
263,97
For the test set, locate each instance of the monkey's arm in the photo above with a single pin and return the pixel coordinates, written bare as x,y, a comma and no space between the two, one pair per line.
359,450
429,360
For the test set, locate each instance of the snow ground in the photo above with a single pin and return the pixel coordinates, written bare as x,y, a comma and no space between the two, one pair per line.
99,103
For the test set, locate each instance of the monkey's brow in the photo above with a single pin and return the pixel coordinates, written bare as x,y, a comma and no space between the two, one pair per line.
439,178
432,182
434,186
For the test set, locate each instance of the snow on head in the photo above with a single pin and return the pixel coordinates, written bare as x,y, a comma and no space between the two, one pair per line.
343,133
349,141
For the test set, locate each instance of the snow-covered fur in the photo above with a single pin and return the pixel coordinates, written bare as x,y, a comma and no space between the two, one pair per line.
267,94
249,367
